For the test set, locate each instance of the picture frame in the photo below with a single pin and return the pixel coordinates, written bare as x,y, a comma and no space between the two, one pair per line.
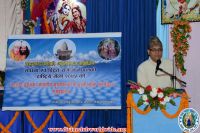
176,9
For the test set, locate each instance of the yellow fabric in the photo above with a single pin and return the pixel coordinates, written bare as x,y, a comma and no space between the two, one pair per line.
129,113
38,130
30,119
66,121
6,129
134,106
183,104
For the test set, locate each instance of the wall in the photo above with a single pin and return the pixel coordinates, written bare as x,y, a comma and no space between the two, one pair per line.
11,23
192,64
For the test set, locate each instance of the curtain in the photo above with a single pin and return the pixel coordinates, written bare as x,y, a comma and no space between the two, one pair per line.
137,22
11,23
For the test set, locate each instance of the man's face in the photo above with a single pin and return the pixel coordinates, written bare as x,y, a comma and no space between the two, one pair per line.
23,49
155,52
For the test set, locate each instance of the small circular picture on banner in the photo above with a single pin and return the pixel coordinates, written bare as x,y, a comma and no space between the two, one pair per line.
19,50
108,49
188,120
64,49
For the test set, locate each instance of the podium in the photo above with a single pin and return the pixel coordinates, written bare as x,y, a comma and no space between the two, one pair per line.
139,121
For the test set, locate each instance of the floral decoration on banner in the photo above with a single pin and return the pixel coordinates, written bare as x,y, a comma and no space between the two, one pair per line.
180,33
152,97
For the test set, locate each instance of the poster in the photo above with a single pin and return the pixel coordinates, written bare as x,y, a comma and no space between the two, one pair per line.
74,71
55,17
176,9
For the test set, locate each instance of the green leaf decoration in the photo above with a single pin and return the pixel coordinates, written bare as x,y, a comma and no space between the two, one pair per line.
134,91
180,34
172,102
154,103
140,102
162,106
146,107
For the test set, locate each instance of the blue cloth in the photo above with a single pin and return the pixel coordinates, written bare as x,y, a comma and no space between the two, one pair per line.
55,121
136,19
155,121
6,117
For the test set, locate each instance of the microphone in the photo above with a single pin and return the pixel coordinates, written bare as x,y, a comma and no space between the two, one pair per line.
157,66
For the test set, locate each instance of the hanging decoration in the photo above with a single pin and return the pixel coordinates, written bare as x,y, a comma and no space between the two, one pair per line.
180,34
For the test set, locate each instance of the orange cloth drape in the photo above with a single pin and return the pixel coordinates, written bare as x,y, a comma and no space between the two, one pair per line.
131,105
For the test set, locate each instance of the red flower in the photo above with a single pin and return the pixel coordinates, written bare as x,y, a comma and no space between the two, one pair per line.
148,88
134,86
161,99
190,29
179,44
159,90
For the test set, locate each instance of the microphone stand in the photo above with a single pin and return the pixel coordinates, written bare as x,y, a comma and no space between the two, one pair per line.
183,83
174,73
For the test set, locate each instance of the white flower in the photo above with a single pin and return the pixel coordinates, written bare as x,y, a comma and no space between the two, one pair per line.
141,91
153,94
144,97
160,95
167,99
155,89
146,103
162,102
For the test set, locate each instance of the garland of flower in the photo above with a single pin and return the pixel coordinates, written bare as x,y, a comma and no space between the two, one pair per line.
184,103
66,121
180,33
7,127
42,126
152,98
129,117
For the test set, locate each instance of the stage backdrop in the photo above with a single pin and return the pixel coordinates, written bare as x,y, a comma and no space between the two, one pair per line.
71,71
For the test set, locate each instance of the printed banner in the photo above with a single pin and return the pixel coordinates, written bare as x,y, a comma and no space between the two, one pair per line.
73,71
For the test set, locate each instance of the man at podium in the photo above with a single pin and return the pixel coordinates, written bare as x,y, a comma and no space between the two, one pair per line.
158,73
148,72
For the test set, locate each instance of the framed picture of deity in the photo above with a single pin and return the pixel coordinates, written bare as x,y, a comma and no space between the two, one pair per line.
176,9
55,17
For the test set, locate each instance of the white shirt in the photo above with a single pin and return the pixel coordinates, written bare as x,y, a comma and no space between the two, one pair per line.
146,74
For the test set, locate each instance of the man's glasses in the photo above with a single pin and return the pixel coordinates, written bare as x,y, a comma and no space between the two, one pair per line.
154,50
